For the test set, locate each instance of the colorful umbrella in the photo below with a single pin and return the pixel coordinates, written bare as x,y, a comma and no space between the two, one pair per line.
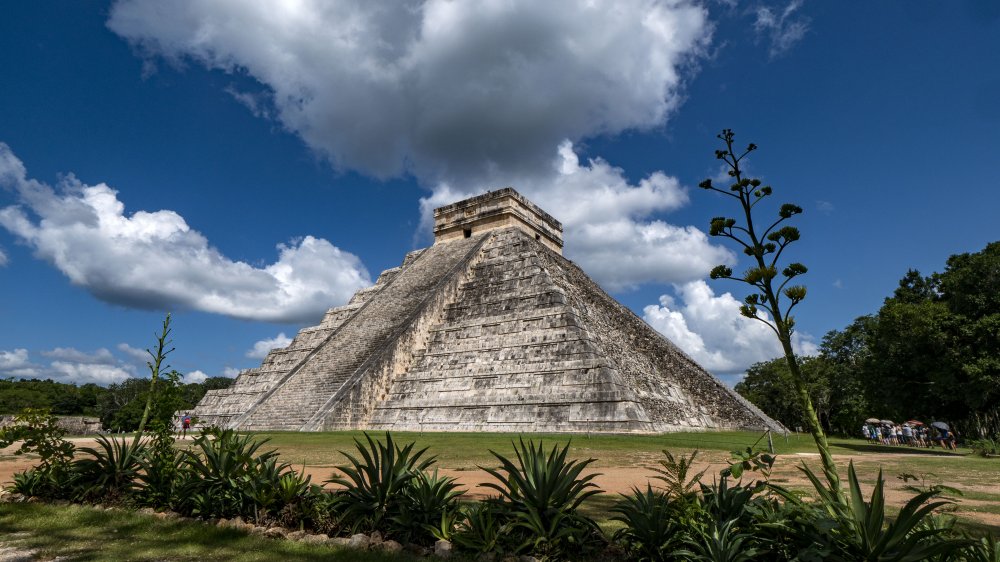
915,422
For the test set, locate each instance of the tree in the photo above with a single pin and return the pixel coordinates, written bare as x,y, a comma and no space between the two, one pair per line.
935,346
765,248
846,356
769,386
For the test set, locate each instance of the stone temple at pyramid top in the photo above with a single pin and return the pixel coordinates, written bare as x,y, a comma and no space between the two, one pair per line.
495,210
488,329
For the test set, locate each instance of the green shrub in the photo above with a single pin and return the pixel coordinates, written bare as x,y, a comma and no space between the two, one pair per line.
161,466
39,433
541,493
985,447
317,509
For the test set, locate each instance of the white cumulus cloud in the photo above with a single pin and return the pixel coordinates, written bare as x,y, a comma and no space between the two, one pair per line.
231,372
154,260
83,373
15,359
607,222
468,96
100,357
260,349
136,354
445,90
195,377
710,329
3,258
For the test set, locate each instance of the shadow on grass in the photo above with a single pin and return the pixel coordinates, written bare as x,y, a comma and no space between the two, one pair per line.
892,450
977,528
87,534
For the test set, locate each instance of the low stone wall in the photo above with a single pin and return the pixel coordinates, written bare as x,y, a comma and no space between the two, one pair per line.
74,425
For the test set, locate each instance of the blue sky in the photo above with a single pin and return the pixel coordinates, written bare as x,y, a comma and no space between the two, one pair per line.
248,165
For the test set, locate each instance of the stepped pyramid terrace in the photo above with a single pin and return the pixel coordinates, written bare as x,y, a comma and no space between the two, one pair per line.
489,329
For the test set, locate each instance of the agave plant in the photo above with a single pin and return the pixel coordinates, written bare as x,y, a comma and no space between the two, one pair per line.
31,482
653,528
727,502
791,530
986,549
282,494
863,532
719,543
429,508
112,469
375,484
482,527
542,493
221,476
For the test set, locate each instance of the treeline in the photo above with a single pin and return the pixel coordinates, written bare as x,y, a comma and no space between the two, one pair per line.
931,352
119,406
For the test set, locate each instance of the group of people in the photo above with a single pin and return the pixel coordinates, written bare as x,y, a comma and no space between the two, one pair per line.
913,434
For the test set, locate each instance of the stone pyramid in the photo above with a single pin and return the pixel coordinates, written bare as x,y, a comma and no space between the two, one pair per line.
489,329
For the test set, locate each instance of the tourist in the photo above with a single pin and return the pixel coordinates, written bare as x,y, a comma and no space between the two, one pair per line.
907,435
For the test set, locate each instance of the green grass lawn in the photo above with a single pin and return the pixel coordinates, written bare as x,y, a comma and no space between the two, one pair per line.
466,451
86,533
470,449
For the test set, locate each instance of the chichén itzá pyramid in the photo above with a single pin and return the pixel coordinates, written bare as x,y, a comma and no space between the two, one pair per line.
489,329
